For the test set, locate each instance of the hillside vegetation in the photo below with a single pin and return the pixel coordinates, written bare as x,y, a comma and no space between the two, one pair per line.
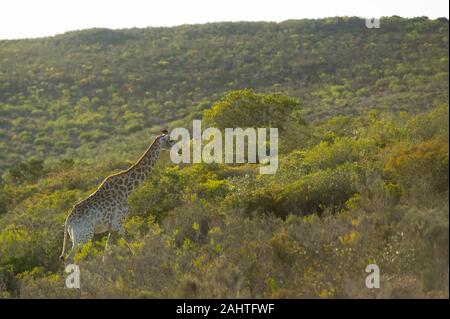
363,174
64,96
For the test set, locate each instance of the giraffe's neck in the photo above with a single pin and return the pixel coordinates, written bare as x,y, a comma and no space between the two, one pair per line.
136,174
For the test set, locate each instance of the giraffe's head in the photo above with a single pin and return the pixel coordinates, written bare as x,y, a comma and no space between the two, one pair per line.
165,142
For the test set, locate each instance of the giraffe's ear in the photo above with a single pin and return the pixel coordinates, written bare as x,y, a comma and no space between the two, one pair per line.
165,132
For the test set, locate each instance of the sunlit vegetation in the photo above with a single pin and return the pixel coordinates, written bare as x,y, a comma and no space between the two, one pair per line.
63,96
363,173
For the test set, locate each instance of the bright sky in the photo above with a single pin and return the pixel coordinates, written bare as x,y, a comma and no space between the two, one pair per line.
37,18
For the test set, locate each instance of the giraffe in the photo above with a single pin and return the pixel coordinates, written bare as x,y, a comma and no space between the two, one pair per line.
106,208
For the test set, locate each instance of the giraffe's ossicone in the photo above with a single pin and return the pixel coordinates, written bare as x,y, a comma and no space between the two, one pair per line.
105,209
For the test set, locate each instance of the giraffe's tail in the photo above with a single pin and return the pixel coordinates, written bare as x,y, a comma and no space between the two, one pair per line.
64,242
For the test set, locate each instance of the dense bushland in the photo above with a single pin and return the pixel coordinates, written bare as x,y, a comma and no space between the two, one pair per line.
374,194
64,96
363,164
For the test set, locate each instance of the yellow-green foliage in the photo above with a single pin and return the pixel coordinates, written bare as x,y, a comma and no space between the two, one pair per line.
362,178
428,159
374,193
248,109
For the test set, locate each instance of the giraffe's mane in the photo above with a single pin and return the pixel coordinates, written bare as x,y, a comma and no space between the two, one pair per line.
129,168
140,159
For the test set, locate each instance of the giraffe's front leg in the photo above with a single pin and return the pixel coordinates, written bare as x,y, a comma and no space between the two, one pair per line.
118,227
108,243
122,234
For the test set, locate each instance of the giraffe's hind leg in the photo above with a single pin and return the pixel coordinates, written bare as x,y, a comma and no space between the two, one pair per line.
80,237
72,252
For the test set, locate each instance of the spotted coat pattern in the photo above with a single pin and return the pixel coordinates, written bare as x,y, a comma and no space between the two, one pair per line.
106,208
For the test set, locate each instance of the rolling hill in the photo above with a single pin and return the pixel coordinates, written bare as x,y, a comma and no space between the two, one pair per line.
363,163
